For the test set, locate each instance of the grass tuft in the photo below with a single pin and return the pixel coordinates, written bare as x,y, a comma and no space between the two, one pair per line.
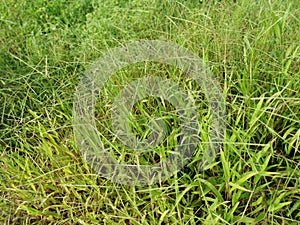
252,47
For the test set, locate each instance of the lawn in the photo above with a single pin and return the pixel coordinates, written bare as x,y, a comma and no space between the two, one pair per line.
251,47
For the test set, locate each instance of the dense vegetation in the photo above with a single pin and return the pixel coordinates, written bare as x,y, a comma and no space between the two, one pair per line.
252,47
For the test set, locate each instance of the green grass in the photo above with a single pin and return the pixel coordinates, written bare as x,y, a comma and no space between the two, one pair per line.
252,47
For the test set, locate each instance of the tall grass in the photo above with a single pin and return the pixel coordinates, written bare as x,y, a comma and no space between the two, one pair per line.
252,47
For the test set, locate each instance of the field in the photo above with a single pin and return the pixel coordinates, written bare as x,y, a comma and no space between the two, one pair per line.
251,47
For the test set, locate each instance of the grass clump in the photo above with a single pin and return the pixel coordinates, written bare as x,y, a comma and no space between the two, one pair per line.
252,47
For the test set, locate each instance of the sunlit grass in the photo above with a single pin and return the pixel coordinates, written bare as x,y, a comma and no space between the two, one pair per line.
252,47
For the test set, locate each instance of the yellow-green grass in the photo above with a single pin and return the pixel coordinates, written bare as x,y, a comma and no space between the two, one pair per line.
252,47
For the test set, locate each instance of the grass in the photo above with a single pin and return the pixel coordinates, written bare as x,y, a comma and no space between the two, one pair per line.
252,47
